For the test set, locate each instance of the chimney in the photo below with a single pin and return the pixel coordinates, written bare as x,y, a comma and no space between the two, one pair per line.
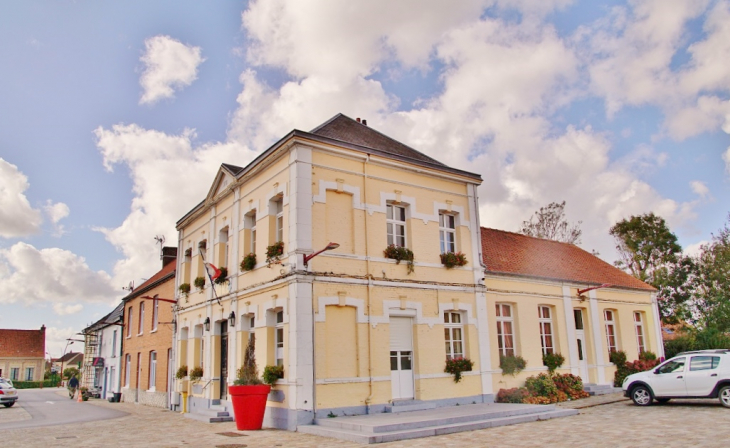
43,329
169,254
365,122
358,119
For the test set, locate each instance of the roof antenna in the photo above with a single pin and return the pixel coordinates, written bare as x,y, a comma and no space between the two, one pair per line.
129,288
161,241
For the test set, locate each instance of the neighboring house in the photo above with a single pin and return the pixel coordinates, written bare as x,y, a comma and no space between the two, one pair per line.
102,357
22,354
353,329
148,337
534,308
71,359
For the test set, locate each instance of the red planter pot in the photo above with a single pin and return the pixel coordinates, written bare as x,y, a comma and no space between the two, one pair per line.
249,405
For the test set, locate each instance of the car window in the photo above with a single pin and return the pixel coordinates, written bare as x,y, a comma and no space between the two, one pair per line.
704,363
675,365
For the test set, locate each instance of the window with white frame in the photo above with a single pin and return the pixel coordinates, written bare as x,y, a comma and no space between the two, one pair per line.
29,374
153,370
127,370
505,329
155,313
251,330
454,335
396,224
114,344
545,319
14,373
202,353
279,338
639,325
447,232
141,318
250,223
223,240
610,316
129,322
278,210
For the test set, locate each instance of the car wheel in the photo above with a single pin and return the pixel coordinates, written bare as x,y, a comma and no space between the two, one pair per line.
663,400
724,395
641,395
9,405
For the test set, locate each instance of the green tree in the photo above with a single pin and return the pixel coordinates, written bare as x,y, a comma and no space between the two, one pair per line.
646,246
71,371
550,223
675,289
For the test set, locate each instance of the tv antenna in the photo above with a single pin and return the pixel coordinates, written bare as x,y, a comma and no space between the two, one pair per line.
161,241
130,287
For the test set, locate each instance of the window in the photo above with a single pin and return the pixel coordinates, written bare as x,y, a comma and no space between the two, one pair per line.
639,325
546,329
279,331
202,353
14,373
114,344
251,226
155,313
278,209
141,318
610,330
223,240
251,320
704,363
129,322
454,335
153,370
505,330
447,231
29,374
396,222
676,365
127,370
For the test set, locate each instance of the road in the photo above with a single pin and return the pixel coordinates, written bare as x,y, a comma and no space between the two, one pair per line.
47,407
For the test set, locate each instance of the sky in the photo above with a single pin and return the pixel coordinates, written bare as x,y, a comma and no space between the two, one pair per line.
115,117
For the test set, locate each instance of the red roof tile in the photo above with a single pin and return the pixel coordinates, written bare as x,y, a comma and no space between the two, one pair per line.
517,254
23,343
168,269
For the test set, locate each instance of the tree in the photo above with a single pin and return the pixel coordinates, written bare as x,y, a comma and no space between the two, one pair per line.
675,289
645,245
550,223
68,372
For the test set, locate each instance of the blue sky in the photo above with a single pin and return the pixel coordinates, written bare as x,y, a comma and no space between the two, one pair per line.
116,115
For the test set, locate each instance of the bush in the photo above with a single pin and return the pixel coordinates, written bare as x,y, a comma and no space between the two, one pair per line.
196,373
184,288
512,365
618,357
629,368
705,339
249,262
223,278
571,385
647,356
457,365
399,253
199,283
451,259
182,372
273,373
34,384
248,374
541,385
552,361
514,395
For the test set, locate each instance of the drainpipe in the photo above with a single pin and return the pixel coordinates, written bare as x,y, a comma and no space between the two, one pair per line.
369,398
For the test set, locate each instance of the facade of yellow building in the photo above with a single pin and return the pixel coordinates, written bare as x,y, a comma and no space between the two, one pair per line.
354,329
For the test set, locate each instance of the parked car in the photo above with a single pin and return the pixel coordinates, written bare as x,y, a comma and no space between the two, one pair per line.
696,374
8,393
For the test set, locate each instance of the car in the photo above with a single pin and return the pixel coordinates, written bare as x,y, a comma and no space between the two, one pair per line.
8,393
695,374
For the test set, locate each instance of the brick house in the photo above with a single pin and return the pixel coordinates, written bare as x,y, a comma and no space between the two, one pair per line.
22,354
148,337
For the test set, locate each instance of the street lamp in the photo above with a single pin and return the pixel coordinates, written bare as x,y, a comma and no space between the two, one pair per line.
206,323
232,319
69,341
583,291
330,246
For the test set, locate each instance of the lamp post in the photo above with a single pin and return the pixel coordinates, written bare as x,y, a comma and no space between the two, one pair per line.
330,246
69,341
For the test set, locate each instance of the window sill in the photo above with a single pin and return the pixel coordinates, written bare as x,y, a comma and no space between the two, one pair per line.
154,331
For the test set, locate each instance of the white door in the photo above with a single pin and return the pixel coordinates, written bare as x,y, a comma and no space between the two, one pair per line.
401,357
702,375
670,381
580,337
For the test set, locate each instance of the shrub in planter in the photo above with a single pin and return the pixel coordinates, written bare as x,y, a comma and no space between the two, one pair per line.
453,259
399,253
249,262
248,394
223,278
196,373
552,361
199,283
182,372
457,365
512,365
541,385
274,252
184,289
513,395
273,373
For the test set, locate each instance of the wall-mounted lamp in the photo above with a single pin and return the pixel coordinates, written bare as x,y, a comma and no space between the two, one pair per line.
206,324
232,319
583,291
330,246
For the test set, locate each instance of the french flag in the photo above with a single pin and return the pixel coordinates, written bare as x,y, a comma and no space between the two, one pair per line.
213,272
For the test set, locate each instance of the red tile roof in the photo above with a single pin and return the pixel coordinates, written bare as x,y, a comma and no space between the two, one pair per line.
161,275
517,254
23,343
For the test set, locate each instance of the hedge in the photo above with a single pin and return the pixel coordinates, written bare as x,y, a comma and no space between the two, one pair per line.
34,384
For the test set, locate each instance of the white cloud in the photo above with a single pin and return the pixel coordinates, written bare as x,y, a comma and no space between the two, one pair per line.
56,212
169,65
56,341
695,249
64,310
17,217
699,188
31,276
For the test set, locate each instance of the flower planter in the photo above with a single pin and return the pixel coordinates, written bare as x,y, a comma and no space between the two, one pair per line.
249,405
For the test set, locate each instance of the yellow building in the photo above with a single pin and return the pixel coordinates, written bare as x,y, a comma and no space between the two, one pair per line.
355,329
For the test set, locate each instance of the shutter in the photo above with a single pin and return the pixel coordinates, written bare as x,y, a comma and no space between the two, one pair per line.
401,334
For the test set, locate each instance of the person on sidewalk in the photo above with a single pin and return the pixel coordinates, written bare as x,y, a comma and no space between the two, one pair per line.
73,384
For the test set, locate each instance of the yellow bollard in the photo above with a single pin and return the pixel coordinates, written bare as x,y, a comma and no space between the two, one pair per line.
184,402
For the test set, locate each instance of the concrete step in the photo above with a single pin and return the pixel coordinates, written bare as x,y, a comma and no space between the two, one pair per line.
440,428
408,406
208,418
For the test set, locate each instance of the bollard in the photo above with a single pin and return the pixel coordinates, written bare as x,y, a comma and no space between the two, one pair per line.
184,402
80,399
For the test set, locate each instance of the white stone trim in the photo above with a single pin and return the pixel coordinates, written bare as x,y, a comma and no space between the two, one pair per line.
323,302
597,339
657,327
570,329
325,186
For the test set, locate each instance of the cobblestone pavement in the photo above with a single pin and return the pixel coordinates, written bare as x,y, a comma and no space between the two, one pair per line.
617,424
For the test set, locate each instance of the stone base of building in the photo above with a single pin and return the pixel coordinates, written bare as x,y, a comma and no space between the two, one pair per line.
156,399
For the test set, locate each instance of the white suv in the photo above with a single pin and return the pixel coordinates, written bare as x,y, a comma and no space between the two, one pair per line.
697,374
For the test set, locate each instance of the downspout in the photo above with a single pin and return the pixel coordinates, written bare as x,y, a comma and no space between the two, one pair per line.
369,398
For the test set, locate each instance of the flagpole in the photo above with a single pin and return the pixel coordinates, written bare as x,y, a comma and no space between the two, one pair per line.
207,273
